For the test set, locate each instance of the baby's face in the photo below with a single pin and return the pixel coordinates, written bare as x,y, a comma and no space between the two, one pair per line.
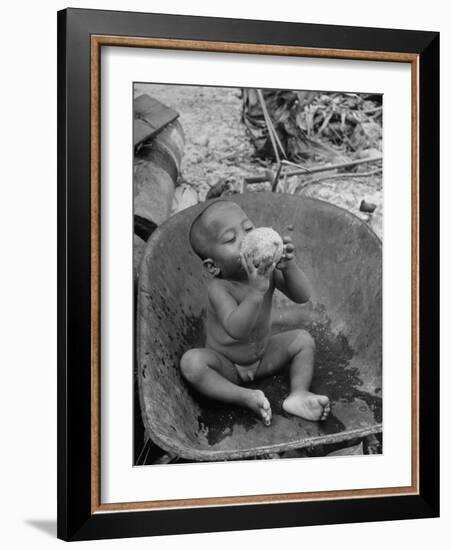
227,225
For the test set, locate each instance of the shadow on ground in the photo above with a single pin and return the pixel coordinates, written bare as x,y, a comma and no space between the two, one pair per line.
47,526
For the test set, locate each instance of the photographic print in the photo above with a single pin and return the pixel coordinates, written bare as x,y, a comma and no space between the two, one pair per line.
258,273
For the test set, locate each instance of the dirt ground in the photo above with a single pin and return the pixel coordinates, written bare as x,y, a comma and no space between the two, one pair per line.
218,148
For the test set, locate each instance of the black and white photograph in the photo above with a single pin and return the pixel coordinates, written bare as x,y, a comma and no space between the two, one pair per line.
258,273
225,277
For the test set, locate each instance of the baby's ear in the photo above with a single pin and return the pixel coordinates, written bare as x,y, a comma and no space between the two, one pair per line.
211,267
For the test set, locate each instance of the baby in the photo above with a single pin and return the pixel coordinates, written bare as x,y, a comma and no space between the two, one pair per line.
239,347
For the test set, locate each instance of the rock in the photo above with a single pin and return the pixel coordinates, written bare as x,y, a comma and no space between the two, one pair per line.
367,153
184,197
273,456
202,140
372,445
295,453
166,458
366,135
347,451
369,207
225,186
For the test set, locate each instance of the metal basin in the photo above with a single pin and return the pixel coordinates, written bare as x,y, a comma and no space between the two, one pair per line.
342,258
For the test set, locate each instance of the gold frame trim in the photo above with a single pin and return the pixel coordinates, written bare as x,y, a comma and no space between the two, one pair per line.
97,41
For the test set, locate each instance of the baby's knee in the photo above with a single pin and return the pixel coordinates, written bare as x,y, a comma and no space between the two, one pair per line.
192,365
303,341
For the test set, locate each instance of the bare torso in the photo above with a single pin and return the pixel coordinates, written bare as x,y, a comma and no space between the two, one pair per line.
250,349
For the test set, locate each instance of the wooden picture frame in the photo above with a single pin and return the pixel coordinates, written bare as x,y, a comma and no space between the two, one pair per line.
81,35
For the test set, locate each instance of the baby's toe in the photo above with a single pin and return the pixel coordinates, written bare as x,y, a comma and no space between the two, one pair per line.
268,413
323,400
267,418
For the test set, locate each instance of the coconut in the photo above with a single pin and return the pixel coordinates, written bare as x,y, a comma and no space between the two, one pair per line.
261,243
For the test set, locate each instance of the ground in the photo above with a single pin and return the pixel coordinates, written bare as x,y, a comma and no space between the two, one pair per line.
218,147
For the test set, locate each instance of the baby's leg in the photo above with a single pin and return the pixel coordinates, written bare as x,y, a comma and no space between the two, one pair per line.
296,349
215,376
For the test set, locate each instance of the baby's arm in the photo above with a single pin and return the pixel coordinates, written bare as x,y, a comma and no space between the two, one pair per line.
289,277
238,320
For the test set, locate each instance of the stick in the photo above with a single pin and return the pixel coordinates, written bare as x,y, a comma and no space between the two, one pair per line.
276,135
357,175
276,178
335,166
271,137
271,124
306,171
271,130
289,163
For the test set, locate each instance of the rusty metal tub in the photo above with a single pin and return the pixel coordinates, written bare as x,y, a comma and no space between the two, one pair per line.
342,258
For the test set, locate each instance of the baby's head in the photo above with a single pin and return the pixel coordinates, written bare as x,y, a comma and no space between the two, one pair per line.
216,235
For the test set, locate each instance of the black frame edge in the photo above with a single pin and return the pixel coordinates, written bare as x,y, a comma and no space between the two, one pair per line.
429,183
62,495
74,272
268,516
195,27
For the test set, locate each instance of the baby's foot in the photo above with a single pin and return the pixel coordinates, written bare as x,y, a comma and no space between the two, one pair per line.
307,405
258,403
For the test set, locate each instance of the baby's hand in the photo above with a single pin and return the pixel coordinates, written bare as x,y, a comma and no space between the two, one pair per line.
258,272
288,253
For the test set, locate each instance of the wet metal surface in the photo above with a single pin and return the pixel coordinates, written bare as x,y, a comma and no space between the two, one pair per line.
334,377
